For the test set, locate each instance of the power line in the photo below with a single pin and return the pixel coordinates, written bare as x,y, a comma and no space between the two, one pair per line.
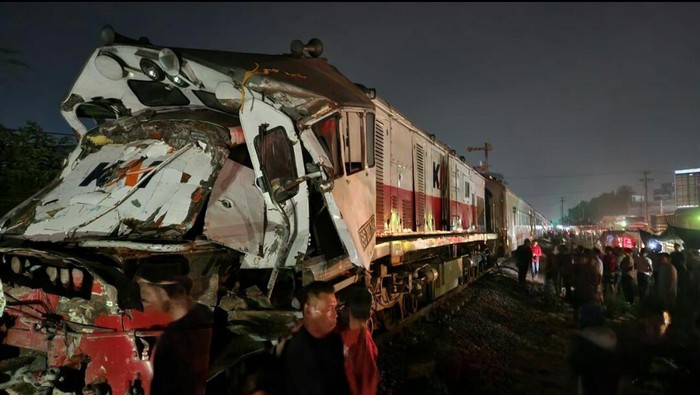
550,194
570,175
581,175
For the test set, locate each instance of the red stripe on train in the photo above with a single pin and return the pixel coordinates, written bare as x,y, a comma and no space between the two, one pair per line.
403,202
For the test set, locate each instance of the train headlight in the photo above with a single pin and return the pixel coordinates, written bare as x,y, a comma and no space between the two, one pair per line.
179,81
110,66
170,62
151,69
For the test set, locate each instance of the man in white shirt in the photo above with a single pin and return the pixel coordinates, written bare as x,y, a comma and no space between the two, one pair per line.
644,273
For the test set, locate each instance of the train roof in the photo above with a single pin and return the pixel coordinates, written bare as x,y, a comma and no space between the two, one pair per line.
121,73
298,76
405,120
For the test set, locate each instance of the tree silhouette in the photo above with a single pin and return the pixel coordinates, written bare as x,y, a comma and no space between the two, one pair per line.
608,203
29,159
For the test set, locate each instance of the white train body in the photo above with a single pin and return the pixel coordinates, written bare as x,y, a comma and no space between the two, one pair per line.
265,172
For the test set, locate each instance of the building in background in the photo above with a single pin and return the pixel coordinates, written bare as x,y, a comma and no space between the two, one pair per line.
687,188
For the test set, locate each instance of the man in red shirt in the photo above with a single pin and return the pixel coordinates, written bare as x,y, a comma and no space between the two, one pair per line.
536,254
359,348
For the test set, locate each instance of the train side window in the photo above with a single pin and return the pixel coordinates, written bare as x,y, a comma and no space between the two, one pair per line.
466,190
327,133
369,135
354,143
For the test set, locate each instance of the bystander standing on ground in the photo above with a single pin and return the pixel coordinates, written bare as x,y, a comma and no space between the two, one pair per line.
360,351
667,284
552,282
644,274
312,359
609,272
536,254
678,261
565,266
692,262
598,260
629,275
523,260
586,282
181,358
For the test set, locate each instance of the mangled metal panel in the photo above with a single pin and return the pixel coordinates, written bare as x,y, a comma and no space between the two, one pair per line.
235,215
276,157
132,179
302,86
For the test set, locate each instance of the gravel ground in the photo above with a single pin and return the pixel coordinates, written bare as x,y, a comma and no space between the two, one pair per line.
492,338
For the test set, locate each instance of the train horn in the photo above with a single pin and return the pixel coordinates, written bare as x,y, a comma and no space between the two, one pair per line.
109,37
313,48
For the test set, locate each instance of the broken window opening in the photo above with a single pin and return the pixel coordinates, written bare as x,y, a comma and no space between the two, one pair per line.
369,134
240,154
277,158
326,132
156,94
355,144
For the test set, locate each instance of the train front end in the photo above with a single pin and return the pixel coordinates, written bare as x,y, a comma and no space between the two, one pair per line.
188,153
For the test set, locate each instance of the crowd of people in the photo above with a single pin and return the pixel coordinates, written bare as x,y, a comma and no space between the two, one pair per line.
661,288
332,350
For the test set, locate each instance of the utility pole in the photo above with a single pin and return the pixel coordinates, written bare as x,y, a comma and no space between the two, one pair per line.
486,148
646,181
561,210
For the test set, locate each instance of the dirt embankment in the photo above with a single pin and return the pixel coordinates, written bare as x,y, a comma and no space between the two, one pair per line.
492,338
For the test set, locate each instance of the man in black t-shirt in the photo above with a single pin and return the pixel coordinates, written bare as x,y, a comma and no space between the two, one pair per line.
678,261
181,357
523,260
313,358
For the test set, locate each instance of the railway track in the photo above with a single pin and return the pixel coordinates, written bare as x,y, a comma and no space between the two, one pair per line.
385,335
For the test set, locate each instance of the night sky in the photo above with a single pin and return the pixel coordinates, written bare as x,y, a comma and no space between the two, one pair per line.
575,98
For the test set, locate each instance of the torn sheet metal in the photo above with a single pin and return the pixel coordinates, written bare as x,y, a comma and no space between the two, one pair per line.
301,87
3,301
235,214
116,341
129,184
359,254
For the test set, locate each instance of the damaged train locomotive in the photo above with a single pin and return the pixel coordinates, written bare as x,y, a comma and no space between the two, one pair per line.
263,173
